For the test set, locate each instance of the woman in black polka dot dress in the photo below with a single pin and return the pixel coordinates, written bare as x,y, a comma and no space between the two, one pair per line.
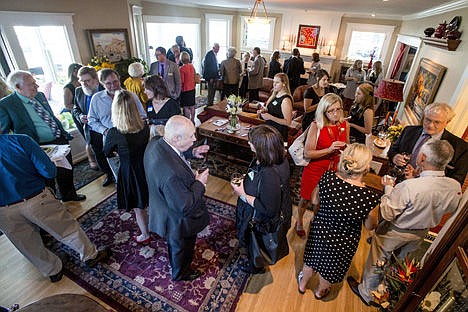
345,203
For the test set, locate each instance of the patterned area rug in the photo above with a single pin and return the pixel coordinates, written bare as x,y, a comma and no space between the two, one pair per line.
224,159
137,278
83,174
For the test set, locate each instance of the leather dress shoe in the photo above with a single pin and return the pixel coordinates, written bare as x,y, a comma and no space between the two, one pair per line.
108,180
353,284
102,256
77,197
56,277
190,275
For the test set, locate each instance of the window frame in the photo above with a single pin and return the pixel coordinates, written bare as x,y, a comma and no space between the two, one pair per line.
243,21
209,43
388,30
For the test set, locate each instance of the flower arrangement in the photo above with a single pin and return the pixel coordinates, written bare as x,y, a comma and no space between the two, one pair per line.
397,276
100,62
234,107
394,132
234,104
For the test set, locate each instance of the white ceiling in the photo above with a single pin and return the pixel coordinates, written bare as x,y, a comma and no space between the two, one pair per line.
397,8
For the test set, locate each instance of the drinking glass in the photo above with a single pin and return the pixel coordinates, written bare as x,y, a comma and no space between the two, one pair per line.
407,157
236,178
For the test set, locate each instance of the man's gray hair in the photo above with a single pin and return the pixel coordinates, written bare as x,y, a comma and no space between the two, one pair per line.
440,107
231,52
438,153
176,126
17,78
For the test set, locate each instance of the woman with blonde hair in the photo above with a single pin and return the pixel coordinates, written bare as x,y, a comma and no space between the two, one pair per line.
278,110
326,136
362,113
129,138
345,204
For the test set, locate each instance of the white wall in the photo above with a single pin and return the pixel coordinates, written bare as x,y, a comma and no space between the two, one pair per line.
455,81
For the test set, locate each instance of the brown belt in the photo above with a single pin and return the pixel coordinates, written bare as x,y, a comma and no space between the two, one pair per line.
26,198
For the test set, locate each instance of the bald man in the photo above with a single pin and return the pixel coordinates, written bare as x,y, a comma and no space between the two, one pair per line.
177,208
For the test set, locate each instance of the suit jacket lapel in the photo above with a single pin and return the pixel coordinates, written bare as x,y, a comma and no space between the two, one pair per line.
176,157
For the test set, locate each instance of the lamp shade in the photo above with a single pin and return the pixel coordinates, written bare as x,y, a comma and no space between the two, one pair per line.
390,90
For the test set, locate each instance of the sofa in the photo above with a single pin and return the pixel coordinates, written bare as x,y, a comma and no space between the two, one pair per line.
298,98
266,89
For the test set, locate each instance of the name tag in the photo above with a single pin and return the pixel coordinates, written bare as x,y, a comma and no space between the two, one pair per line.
251,175
150,109
274,102
170,74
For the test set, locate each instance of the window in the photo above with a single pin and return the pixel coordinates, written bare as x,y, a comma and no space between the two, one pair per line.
162,31
258,32
218,30
45,45
361,40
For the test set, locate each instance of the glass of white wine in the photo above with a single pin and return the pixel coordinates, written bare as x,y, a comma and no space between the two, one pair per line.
237,178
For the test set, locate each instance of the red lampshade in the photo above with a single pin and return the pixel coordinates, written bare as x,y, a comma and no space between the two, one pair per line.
390,90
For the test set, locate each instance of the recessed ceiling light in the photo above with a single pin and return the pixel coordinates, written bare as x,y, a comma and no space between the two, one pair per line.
373,15
384,0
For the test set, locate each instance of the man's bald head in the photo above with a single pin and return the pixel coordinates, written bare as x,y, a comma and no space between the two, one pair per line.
180,132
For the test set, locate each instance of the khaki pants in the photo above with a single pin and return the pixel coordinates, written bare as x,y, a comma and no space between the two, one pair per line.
21,222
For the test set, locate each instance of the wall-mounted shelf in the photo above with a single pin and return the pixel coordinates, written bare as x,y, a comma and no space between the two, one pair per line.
446,44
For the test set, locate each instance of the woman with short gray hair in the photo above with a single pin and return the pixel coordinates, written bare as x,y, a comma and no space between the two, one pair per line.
230,70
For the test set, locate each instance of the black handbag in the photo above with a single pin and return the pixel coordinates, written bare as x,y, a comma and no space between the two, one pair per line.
264,242
265,246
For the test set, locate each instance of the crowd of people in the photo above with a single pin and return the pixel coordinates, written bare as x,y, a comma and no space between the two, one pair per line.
138,137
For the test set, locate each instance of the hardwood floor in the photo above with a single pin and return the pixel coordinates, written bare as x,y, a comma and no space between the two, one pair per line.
276,290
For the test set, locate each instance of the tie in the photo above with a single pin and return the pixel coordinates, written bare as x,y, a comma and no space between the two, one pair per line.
162,71
185,160
422,139
46,117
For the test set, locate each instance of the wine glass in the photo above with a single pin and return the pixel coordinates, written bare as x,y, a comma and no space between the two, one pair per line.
236,178
406,157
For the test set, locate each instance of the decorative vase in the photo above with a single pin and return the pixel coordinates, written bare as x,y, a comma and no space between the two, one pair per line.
440,31
234,124
453,34
429,31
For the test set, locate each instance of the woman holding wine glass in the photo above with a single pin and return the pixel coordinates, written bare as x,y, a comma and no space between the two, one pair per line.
264,191
326,137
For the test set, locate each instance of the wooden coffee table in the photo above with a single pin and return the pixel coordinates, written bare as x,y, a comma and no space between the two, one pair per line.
209,130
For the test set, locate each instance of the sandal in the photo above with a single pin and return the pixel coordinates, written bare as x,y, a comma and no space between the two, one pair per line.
324,293
300,232
142,241
299,279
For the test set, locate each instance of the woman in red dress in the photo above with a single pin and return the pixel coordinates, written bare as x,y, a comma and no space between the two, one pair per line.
326,137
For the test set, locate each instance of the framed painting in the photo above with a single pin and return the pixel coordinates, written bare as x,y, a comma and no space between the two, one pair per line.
307,36
112,43
424,87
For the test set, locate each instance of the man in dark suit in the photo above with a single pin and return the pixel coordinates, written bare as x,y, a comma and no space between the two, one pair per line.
26,111
436,118
211,71
181,44
177,208
89,86
169,72
294,68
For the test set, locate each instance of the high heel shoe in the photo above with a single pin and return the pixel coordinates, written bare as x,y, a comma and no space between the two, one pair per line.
324,293
300,232
299,279
145,242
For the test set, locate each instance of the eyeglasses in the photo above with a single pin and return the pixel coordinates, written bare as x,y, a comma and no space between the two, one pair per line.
110,83
333,111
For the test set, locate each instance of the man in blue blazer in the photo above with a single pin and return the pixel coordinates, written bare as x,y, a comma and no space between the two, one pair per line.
177,208
436,118
211,71
169,72
26,111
